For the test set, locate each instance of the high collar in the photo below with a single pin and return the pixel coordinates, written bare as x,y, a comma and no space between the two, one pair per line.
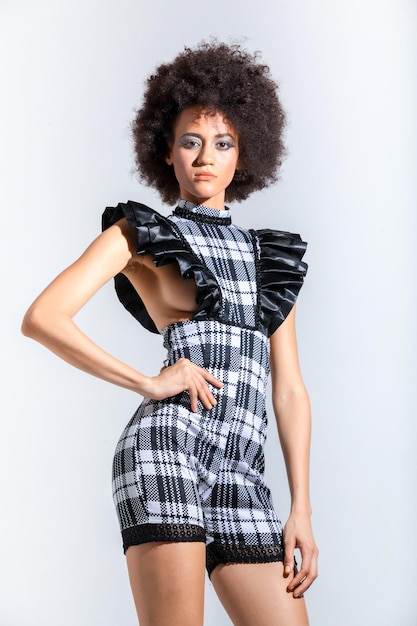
201,213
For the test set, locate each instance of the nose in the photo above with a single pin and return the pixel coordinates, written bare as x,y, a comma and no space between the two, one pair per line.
205,155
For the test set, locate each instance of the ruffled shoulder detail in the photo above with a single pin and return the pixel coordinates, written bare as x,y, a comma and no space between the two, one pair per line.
158,236
281,275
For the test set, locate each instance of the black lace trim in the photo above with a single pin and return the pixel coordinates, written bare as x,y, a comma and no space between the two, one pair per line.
200,217
145,533
257,255
218,553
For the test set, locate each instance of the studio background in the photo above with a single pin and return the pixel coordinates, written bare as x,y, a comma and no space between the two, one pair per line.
72,77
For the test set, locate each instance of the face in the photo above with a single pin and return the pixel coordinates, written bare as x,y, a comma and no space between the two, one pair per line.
204,154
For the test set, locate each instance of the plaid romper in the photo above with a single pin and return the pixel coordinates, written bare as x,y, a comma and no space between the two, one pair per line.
183,476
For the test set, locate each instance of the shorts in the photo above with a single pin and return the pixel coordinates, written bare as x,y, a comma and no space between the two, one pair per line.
184,476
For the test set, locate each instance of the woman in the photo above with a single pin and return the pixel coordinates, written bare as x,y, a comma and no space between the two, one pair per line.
188,469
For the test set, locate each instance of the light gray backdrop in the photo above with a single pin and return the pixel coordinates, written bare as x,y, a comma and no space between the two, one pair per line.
72,75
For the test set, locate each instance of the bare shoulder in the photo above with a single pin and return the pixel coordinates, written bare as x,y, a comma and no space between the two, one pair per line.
124,229
112,251
120,234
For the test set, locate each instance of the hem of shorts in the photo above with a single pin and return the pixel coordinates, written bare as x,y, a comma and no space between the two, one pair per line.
174,533
228,555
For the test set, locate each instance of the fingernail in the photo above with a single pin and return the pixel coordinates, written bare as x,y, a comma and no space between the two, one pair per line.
288,569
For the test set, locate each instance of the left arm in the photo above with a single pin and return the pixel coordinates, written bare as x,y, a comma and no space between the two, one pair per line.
292,411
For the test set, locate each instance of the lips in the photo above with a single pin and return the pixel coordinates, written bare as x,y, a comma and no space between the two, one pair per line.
205,176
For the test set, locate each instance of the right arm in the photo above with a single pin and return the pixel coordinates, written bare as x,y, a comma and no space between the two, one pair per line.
49,320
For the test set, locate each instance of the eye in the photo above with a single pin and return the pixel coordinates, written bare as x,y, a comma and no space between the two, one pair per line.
224,145
189,143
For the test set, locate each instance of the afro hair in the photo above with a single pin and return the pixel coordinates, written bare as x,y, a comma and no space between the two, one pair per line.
220,78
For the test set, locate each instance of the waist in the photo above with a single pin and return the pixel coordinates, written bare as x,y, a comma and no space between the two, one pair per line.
215,345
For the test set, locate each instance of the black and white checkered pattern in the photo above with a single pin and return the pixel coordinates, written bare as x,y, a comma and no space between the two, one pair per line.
174,467
228,253
183,476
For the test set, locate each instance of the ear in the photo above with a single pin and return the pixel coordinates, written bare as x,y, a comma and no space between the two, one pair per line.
168,158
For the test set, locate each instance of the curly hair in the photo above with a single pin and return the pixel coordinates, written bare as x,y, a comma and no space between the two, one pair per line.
219,78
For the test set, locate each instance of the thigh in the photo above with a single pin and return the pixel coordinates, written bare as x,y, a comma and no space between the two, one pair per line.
256,595
167,581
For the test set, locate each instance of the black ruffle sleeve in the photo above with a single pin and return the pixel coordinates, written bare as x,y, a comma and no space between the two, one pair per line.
158,236
281,274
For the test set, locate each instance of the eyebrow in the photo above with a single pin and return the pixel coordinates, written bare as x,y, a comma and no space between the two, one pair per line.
218,136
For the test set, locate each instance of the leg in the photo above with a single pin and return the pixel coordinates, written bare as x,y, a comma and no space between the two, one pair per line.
256,595
167,581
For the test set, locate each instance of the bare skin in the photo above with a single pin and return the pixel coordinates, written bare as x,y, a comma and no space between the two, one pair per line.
167,582
168,579
292,412
49,320
257,595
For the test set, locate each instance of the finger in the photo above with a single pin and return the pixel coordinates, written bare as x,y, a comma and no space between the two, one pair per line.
288,562
304,578
205,395
193,399
299,578
304,586
202,379
289,547
210,378
302,572
196,381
